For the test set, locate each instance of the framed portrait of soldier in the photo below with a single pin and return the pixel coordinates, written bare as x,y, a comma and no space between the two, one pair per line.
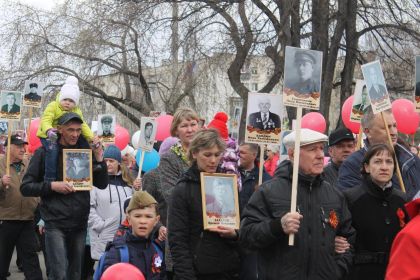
219,194
417,83
302,78
33,92
361,101
148,128
77,168
375,82
263,121
11,104
106,128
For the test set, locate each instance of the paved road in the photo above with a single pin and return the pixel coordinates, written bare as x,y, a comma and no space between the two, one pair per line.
16,275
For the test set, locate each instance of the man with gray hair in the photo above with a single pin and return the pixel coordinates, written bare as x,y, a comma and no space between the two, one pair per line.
322,216
373,126
264,119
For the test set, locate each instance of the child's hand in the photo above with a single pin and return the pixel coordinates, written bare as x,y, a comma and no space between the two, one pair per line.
52,134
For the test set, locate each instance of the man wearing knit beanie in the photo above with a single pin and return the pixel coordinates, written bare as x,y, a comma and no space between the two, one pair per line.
219,123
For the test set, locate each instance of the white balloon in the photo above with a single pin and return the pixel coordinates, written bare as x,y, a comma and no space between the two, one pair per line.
135,139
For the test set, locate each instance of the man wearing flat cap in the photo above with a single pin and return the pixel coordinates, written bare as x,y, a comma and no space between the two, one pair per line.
33,93
106,122
304,63
64,210
322,215
340,145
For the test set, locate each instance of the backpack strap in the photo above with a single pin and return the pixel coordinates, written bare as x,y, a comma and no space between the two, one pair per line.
100,267
124,258
124,255
158,249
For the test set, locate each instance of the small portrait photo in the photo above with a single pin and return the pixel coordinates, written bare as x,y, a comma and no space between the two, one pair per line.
33,92
3,127
220,200
376,86
361,101
148,128
77,165
302,78
417,83
106,128
263,121
11,102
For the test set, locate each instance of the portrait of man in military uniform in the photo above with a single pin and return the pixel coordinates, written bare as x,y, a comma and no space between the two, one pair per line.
106,128
106,122
33,93
304,81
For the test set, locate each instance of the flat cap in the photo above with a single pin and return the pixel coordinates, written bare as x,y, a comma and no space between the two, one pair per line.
304,55
307,136
139,200
107,119
70,116
339,135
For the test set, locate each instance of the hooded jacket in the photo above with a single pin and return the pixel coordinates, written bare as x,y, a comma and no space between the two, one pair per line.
325,216
106,213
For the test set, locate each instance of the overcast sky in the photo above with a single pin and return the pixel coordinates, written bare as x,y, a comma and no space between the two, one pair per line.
44,4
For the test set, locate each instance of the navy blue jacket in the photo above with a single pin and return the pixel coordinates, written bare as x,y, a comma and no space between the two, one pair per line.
249,182
142,254
350,176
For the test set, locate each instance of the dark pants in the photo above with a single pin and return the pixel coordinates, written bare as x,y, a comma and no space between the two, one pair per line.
22,235
51,159
65,250
248,269
88,265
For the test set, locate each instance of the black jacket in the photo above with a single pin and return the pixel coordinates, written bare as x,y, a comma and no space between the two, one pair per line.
196,252
313,255
64,211
375,218
249,183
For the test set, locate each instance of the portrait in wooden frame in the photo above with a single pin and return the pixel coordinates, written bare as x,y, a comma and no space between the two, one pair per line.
77,168
220,204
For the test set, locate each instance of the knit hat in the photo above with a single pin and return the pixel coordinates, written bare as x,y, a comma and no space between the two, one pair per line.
219,123
113,152
140,199
70,90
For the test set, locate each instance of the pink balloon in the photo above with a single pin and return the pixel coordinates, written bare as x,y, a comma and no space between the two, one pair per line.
163,127
122,271
34,141
314,121
122,137
405,115
345,116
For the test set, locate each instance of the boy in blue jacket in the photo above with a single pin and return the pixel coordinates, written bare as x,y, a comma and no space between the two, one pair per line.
143,252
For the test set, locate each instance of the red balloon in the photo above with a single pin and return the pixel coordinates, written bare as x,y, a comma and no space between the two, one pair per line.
34,141
163,127
345,116
122,271
122,137
406,116
314,121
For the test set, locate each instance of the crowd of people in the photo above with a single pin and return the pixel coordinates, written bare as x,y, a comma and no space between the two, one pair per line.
352,219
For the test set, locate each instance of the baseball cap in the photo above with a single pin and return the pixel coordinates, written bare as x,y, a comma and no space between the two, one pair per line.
338,135
70,116
16,140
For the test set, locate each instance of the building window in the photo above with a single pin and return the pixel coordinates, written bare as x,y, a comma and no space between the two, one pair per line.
254,87
270,71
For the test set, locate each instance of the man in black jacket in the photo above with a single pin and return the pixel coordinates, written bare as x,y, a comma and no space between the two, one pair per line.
322,216
64,210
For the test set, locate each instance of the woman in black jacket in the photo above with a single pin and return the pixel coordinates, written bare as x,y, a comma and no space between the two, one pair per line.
198,253
377,213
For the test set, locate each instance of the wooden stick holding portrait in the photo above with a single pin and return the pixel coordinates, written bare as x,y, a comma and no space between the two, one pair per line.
219,195
77,168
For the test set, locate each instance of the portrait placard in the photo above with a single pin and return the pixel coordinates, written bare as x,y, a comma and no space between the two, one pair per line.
263,124
3,127
375,82
361,101
235,122
11,102
77,168
417,84
33,93
219,194
302,78
148,128
106,128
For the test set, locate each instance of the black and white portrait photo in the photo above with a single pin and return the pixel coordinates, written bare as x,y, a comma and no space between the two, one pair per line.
33,93
263,118
361,101
417,83
106,128
148,128
302,77
3,127
376,86
77,165
11,102
220,199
